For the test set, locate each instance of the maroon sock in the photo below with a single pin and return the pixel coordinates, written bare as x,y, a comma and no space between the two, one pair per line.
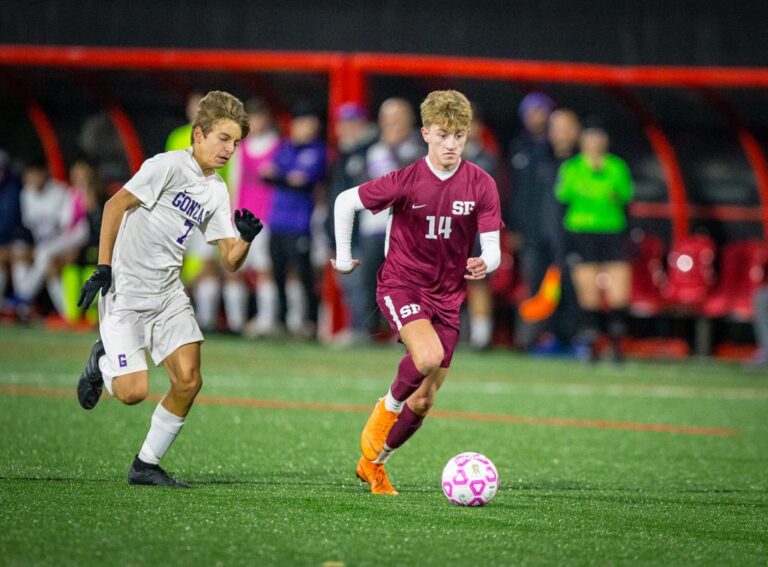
408,379
405,426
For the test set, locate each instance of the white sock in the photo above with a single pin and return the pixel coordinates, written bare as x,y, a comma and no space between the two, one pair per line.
19,272
32,281
266,303
392,404
480,331
385,454
106,374
56,293
207,293
296,304
164,429
235,305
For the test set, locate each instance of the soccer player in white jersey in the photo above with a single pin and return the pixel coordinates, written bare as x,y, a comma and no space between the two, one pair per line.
143,306
437,206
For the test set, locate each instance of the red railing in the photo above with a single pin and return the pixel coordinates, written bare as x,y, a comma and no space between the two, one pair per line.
347,75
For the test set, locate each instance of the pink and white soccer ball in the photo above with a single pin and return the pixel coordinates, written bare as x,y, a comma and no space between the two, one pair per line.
470,479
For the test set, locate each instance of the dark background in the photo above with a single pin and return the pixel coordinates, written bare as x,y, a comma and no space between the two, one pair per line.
618,32
678,32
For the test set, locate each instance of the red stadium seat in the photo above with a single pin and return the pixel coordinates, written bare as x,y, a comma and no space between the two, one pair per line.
506,283
720,300
690,272
741,271
648,277
753,275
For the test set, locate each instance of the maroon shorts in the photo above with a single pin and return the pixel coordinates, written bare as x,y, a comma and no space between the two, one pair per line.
400,306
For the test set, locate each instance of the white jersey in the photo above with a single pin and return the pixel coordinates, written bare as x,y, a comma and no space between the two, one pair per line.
46,212
176,197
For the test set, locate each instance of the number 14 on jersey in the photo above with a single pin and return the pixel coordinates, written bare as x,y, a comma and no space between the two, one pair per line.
443,226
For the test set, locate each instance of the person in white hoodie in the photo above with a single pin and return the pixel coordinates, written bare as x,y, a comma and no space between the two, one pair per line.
49,212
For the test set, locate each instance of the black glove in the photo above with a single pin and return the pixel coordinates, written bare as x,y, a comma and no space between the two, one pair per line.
101,279
248,225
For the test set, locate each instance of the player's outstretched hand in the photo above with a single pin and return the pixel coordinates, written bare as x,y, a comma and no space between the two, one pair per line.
101,279
476,268
247,224
345,267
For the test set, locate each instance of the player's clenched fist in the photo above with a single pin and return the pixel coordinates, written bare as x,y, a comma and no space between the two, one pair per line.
476,268
247,224
101,279
345,267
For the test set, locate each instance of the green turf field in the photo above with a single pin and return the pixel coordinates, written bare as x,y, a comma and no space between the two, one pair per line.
653,463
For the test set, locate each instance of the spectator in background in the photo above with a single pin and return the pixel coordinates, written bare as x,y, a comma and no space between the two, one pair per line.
250,191
479,297
50,213
100,142
355,135
89,198
563,134
296,170
596,187
534,214
564,131
181,138
10,219
399,145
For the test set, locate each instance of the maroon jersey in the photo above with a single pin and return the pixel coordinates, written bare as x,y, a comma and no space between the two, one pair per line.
434,225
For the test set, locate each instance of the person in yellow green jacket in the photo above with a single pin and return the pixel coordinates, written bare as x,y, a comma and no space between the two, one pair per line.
596,186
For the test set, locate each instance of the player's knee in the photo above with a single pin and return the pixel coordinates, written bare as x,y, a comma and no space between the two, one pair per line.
421,405
131,393
429,359
189,385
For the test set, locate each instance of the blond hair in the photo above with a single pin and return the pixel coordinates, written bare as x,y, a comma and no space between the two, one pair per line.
216,106
449,109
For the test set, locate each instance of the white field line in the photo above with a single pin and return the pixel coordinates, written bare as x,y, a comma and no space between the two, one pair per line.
305,383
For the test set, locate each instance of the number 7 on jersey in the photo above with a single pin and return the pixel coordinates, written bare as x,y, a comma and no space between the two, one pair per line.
190,225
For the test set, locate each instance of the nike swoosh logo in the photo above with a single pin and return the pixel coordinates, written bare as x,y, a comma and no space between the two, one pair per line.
417,206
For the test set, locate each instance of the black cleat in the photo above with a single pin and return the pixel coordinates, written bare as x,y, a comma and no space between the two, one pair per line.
144,474
90,384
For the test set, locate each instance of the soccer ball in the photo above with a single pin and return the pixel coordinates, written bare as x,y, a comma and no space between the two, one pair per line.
470,479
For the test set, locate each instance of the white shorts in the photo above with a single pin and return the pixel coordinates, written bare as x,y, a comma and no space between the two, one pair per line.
259,258
128,325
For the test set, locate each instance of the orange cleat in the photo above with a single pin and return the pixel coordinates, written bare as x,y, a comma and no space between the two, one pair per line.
375,475
376,430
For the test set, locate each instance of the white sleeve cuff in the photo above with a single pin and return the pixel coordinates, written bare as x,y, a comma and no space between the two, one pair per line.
347,204
491,250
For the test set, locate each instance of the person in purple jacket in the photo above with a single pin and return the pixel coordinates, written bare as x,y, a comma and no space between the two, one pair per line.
296,169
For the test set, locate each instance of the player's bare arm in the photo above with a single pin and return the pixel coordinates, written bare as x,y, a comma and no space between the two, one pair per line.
114,210
347,204
233,251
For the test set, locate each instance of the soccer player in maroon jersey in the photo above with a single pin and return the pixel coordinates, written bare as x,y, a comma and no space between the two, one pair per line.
437,206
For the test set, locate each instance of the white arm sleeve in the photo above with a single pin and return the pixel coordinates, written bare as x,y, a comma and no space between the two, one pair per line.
347,204
491,251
